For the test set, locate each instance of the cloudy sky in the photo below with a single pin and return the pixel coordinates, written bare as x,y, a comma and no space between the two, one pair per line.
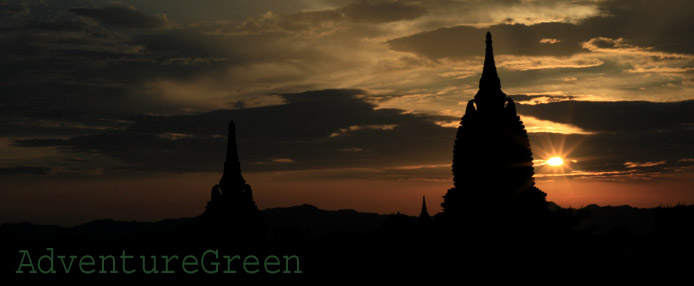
119,108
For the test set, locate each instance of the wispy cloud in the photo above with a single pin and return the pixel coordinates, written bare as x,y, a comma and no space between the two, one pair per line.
535,125
525,63
549,41
643,164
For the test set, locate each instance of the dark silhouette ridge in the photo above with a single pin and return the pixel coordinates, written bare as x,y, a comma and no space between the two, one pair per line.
306,222
492,162
349,245
231,213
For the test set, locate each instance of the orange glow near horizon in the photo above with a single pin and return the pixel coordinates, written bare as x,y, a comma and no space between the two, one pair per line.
73,202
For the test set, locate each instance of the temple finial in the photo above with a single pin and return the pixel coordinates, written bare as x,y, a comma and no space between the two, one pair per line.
490,79
489,96
232,150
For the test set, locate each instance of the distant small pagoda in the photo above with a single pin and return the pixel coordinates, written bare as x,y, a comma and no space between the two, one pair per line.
231,213
492,160
424,213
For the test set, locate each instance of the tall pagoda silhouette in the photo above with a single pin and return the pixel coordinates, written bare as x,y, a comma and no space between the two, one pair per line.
492,160
231,213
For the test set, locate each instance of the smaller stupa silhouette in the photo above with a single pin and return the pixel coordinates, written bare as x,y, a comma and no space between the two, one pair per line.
231,213
492,161
424,213
424,221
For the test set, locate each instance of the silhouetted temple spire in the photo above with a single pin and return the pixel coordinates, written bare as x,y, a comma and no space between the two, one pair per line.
232,177
231,213
489,96
492,160
424,214
490,78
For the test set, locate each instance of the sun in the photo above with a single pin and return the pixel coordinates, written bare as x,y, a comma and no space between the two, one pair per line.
555,161
557,157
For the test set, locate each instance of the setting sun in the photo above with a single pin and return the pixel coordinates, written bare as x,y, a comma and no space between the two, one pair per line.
555,161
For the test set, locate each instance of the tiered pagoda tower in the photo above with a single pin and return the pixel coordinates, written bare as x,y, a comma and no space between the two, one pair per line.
492,159
231,213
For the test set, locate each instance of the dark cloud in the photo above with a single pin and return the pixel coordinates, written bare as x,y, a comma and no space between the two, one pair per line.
65,67
518,39
610,152
624,132
206,10
49,100
519,98
382,11
339,129
605,43
302,21
617,117
663,25
70,63
24,127
312,130
318,23
634,21
24,170
122,17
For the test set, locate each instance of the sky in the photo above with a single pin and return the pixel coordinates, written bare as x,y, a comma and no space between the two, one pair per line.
118,109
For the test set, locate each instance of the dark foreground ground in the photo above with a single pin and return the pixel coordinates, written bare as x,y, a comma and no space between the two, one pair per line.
308,245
